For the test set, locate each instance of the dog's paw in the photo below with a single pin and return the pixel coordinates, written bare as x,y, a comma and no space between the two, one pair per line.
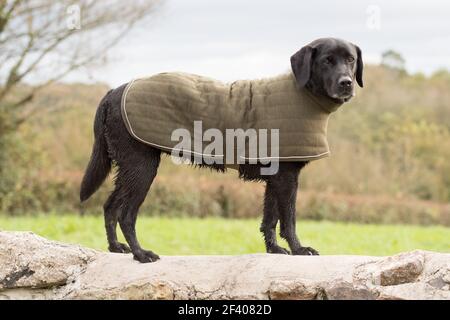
305,251
119,248
277,250
145,256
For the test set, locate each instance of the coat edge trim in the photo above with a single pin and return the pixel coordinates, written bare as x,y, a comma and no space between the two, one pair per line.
190,152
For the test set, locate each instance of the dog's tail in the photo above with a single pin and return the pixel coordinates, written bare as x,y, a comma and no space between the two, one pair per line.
100,164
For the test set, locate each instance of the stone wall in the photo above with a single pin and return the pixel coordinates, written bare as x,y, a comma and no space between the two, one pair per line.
32,267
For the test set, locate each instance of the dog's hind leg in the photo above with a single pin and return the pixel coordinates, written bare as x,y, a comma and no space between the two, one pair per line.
112,211
137,175
270,220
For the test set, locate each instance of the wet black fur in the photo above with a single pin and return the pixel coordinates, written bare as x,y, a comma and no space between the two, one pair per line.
138,163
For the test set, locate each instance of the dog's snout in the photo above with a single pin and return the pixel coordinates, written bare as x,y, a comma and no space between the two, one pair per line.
345,82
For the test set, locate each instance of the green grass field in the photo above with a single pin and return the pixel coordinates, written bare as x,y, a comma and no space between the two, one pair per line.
187,236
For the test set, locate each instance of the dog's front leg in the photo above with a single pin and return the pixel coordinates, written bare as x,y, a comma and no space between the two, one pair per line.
270,220
286,188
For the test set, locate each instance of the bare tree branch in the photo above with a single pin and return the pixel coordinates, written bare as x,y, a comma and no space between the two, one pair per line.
5,12
34,36
30,112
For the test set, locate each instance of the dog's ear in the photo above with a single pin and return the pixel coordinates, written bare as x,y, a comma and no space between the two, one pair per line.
359,67
301,63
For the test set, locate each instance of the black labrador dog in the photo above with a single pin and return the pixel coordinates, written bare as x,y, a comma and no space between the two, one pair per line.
327,67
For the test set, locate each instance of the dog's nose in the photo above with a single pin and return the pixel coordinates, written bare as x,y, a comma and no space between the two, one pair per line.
345,82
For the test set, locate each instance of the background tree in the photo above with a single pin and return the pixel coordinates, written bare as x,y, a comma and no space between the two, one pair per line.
41,42
393,60
45,40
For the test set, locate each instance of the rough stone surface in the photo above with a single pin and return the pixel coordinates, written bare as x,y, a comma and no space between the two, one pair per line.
32,267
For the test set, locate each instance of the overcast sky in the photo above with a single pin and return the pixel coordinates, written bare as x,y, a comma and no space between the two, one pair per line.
238,39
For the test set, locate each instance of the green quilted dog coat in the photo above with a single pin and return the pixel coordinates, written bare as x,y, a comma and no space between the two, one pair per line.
153,107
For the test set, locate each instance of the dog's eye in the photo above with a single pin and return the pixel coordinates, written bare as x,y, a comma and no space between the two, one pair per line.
328,60
351,59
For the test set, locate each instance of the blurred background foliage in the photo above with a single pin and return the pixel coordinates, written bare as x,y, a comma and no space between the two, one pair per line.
389,163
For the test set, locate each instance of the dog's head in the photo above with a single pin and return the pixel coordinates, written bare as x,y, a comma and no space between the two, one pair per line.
329,67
